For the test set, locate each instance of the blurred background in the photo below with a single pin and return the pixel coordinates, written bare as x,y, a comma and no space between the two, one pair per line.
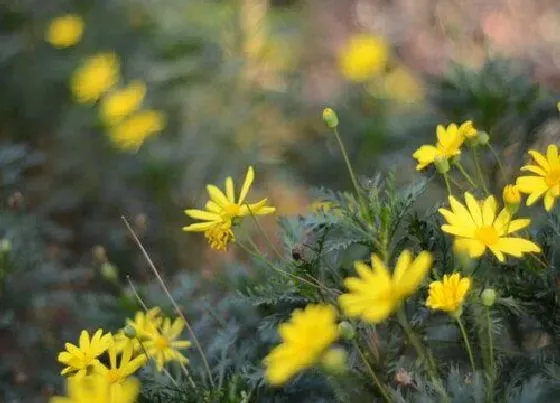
226,84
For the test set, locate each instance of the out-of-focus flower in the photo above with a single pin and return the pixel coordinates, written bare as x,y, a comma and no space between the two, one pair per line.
65,31
116,374
121,103
449,142
448,295
402,86
477,228
363,57
82,358
99,390
94,77
131,133
468,131
305,339
546,179
163,345
376,294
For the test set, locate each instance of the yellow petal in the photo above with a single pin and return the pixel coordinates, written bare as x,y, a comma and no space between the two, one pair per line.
516,246
249,178
203,215
230,192
217,195
474,208
489,207
425,155
552,155
539,159
534,169
415,274
549,200
517,225
199,226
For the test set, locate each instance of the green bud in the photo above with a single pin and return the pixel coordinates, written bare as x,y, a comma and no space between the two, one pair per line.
330,118
483,138
5,245
346,330
335,361
129,331
488,297
442,165
109,272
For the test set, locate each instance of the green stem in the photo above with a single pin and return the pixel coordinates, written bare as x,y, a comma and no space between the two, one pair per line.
467,344
465,174
373,375
491,356
497,156
447,185
479,170
263,232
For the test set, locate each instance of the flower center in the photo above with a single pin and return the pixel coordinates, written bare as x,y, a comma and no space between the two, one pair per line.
487,235
113,375
161,343
219,236
552,178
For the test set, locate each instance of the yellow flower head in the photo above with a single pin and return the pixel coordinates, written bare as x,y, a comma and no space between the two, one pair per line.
468,131
65,31
97,389
448,295
222,209
163,346
305,339
449,142
363,57
94,77
121,103
402,86
546,180
511,195
129,134
145,324
82,359
116,374
477,228
376,294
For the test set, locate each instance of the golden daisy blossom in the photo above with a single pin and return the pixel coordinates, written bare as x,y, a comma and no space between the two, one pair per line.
121,103
364,56
131,133
305,339
117,373
448,295
477,228
449,142
81,359
376,294
546,180
401,85
94,77
163,346
65,31
97,389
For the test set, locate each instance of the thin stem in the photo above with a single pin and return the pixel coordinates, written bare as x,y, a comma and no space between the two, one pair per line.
497,156
373,375
467,344
447,185
479,170
490,354
171,299
465,174
263,232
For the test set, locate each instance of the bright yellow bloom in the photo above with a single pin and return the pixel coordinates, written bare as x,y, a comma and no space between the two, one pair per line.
449,142
402,86
94,77
82,359
65,31
163,346
364,56
546,179
145,324
468,131
376,294
305,339
448,295
121,103
477,228
223,209
117,374
129,134
96,389
511,194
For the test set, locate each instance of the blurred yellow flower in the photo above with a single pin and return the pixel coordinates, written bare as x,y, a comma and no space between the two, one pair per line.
65,31
546,179
96,389
115,374
402,86
376,294
82,359
449,142
468,131
94,77
477,228
121,103
448,295
364,56
305,339
131,133
163,345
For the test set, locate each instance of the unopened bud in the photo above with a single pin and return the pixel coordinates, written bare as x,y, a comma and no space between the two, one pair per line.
442,164
512,198
488,297
335,361
129,331
330,118
483,138
346,330
100,254
5,245
109,272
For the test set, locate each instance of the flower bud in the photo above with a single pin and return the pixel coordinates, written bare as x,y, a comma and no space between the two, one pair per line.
441,164
512,198
5,245
330,118
488,297
129,331
109,272
483,138
335,361
346,330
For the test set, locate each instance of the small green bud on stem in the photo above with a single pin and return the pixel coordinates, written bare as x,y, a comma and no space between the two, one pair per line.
330,118
488,297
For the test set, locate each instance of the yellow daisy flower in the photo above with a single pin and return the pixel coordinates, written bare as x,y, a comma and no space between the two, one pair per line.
305,339
97,389
477,228
83,358
364,56
546,180
163,346
117,374
145,324
448,295
65,31
376,294
121,103
449,142
94,77
131,133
